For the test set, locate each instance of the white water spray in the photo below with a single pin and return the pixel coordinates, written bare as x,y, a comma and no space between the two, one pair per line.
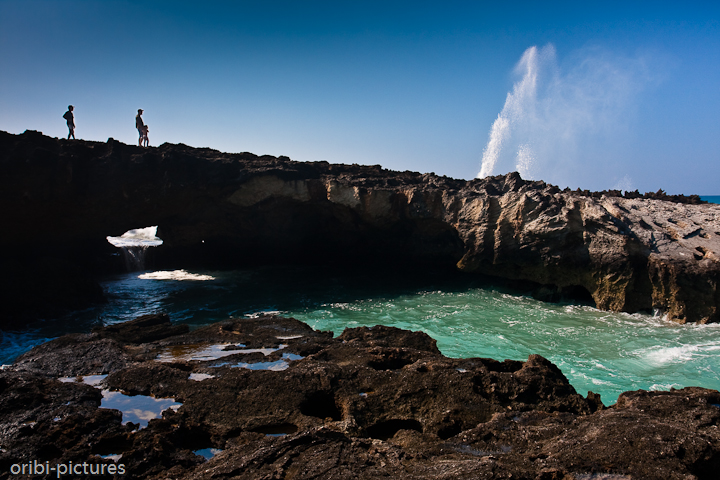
134,244
566,126
518,104
525,161
625,184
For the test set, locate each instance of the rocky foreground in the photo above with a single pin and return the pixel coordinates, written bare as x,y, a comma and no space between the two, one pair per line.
60,199
278,400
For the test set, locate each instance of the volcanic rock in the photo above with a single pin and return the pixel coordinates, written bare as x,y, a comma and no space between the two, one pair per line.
224,210
276,399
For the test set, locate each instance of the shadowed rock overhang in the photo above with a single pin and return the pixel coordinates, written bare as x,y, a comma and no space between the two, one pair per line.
228,210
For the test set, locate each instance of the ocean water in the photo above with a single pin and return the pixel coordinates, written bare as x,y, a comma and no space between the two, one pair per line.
711,198
603,352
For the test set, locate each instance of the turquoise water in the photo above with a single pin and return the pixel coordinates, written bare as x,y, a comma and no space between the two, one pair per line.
711,198
604,352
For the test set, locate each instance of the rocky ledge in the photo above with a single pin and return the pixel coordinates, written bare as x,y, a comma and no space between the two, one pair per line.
272,398
229,210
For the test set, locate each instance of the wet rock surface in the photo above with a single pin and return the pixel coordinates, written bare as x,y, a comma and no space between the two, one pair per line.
276,399
220,210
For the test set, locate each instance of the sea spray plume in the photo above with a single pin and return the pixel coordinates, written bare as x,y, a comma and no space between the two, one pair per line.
525,161
518,103
569,126
624,184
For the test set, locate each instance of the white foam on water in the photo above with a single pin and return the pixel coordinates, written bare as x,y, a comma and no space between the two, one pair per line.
138,237
660,356
263,313
178,275
663,387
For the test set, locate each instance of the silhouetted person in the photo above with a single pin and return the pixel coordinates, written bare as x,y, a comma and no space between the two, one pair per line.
70,121
145,139
140,125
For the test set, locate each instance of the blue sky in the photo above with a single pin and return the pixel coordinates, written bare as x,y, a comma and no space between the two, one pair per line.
614,94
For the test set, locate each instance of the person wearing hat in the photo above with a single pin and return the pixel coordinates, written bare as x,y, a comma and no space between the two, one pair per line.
70,121
140,125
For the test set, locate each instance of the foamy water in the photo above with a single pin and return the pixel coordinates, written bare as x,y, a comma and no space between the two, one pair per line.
605,352
177,275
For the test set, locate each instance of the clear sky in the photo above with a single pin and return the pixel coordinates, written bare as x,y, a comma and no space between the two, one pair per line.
614,94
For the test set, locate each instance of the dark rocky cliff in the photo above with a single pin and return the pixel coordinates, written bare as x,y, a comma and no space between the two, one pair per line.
60,199
371,403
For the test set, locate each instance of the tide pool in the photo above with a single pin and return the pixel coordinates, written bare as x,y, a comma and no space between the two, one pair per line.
603,352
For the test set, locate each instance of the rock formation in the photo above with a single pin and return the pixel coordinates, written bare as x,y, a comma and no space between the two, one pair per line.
227,210
277,399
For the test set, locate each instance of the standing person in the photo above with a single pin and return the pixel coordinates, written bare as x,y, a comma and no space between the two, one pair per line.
146,140
140,125
70,121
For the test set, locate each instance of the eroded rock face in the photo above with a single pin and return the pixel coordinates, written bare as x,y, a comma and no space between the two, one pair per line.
229,210
277,399
629,254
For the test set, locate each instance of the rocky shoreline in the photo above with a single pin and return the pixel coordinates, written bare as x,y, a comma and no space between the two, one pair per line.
219,210
274,398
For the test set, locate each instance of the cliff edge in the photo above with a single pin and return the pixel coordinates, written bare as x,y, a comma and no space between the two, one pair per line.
62,198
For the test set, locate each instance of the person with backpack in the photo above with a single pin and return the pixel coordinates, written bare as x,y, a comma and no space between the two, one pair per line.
140,125
70,118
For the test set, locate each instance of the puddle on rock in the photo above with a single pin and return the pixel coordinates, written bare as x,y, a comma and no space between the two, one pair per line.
467,449
601,476
204,353
199,377
276,366
207,453
138,408
114,457
186,353
93,380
